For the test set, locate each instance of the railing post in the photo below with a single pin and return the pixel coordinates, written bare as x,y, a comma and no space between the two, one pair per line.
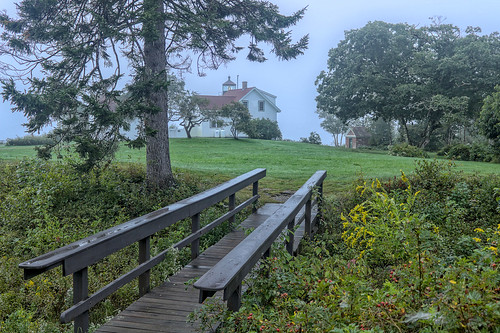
144,255
307,225
320,201
234,301
195,245
255,191
289,244
232,204
267,254
80,293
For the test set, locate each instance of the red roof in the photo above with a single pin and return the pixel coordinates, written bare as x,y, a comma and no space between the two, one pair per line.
358,132
234,95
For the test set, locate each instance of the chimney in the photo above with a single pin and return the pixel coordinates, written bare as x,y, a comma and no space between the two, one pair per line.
244,84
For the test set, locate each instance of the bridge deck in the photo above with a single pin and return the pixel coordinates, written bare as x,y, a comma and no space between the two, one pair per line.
166,307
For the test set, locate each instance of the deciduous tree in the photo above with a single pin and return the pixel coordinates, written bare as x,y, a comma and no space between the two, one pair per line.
192,112
489,120
413,75
333,125
237,116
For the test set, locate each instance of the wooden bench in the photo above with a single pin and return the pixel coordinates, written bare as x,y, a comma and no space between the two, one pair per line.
76,257
227,275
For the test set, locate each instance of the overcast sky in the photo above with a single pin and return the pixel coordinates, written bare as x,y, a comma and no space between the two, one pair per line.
293,82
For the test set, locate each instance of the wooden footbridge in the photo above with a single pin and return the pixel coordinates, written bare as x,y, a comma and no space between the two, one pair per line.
221,267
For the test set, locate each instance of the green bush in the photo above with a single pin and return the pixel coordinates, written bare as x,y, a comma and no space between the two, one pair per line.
264,129
406,150
313,138
465,152
46,205
30,140
392,266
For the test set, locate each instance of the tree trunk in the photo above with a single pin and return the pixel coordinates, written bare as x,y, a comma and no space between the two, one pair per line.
407,134
159,171
188,131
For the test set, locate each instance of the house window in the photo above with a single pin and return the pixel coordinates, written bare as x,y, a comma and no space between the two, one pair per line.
245,103
261,105
214,124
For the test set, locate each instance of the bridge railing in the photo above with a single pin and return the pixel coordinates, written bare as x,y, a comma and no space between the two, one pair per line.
76,257
229,272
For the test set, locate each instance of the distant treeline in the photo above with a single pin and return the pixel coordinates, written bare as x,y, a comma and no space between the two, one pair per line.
29,140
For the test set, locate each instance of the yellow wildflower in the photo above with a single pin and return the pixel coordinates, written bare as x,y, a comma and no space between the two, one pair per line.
477,239
478,230
403,177
453,282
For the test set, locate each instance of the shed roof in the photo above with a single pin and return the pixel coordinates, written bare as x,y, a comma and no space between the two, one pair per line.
358,132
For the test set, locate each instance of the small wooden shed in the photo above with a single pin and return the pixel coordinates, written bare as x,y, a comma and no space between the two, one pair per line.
356,137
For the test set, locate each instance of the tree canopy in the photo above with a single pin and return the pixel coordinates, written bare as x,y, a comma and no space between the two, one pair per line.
91,66
489,120
237,116
417,76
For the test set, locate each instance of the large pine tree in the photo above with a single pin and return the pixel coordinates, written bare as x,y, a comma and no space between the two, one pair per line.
91,66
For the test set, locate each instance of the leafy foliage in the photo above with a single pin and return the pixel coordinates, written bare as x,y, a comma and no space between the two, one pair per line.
313,138
480,152
406,150
489,120
75,57
399,268
429,77
263,128
237,116
29,140
333,125
44,206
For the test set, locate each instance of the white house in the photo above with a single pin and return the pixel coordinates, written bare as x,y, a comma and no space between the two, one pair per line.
261,104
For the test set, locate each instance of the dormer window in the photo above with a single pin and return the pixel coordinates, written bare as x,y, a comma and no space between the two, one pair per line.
261,106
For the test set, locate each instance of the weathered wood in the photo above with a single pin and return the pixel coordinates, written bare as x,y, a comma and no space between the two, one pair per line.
144,255
166,307
290,231
77,256
232,204
215,223
195,244
255,191
308,226
88,251
80,293
228,274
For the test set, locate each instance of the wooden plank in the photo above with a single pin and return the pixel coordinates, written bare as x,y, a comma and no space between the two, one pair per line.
166,307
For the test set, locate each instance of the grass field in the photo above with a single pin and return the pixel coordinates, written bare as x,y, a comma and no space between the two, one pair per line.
288,164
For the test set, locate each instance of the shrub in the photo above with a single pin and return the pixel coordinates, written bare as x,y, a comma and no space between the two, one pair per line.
480,152
264,129
45,205
406,150
400,269
313,138
29,140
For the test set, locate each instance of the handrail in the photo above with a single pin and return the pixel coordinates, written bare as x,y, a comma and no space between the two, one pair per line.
229,272
76,257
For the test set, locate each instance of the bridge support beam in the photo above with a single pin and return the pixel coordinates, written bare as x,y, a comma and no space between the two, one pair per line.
80,293
234,300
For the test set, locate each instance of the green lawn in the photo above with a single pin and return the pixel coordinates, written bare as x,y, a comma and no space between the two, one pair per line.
288,164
